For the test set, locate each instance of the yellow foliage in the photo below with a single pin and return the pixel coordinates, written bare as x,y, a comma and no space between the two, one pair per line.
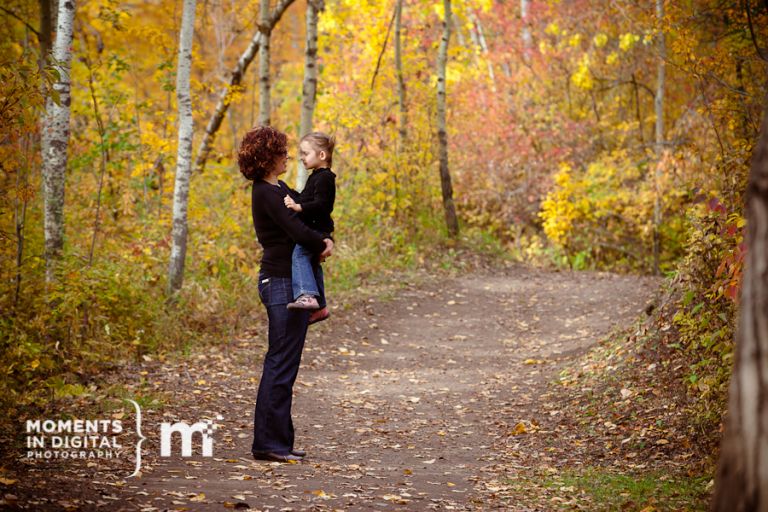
627,41
600,40
582,77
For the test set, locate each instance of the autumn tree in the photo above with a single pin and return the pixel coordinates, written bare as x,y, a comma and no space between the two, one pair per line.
658,104
264,84
742,476
309,84
56,138
184,150
451,220
235,81
402,107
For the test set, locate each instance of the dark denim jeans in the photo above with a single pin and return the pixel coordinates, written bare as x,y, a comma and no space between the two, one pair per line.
272,423
307,277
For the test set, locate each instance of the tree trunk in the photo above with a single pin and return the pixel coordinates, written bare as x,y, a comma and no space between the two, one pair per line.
742,475
659,107
236,78
445,177
46,27
266,33
526,34
55,140
184,150
483,45
403,124
309,87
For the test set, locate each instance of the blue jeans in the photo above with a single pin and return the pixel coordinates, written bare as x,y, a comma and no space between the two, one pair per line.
272,423
307,277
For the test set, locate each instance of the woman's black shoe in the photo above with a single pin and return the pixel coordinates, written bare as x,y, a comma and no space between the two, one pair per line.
277,457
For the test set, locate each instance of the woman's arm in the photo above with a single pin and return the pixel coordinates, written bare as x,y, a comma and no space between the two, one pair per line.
290,223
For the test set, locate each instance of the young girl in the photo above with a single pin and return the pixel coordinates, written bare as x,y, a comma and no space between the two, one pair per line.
314,204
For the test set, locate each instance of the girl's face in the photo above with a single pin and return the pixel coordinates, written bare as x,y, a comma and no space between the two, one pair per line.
310,157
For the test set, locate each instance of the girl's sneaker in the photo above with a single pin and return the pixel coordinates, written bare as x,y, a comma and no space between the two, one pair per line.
304,302
319,316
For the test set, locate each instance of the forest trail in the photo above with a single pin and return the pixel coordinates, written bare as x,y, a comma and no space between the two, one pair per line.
403,403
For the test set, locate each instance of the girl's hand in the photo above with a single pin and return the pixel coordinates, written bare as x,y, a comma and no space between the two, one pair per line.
290,203
328,249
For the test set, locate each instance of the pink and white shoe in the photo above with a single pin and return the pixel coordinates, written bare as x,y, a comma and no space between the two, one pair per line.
304,302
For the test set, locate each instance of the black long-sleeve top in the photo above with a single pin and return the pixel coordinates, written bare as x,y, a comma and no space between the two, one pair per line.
317,200
279,229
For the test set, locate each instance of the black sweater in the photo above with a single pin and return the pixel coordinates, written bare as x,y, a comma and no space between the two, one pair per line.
278,228
317,199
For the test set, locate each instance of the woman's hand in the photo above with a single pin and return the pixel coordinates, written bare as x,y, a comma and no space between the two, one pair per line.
328,249
290,203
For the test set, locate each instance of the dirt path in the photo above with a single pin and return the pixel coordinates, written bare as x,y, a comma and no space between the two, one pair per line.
403,404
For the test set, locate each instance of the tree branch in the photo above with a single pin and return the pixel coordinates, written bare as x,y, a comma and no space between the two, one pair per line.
383,48
14,15
752,31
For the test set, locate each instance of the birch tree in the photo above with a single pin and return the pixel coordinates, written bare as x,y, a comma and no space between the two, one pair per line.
235,79
742,475
526,35
184,150
309,86
442,135
659,107
46,24
266,34
55,139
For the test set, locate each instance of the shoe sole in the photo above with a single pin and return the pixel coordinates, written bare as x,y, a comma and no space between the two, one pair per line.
322,318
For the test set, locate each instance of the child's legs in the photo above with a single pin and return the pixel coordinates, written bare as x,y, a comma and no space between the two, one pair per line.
302,274
320,286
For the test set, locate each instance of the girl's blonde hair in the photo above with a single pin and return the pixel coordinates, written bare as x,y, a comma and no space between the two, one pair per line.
321,142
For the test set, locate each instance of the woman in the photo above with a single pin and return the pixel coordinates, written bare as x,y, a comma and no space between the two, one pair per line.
262,158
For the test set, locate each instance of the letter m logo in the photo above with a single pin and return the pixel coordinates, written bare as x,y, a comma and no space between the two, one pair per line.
205,428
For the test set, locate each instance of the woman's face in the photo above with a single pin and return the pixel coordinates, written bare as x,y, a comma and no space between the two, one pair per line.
281,165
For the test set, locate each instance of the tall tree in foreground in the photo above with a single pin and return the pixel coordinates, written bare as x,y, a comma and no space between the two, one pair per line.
309,86
55,139
184,150
658,103
442,135
742,475
235,79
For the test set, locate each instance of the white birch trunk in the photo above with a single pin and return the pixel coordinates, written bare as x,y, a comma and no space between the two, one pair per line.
483,45
236,78
526,34
266,34
742,475
184,151
442,135
309,87
659,107
55,139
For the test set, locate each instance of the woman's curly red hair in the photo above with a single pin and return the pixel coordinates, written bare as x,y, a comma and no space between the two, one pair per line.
260,150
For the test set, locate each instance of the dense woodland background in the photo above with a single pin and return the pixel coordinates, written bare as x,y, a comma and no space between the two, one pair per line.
581,134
